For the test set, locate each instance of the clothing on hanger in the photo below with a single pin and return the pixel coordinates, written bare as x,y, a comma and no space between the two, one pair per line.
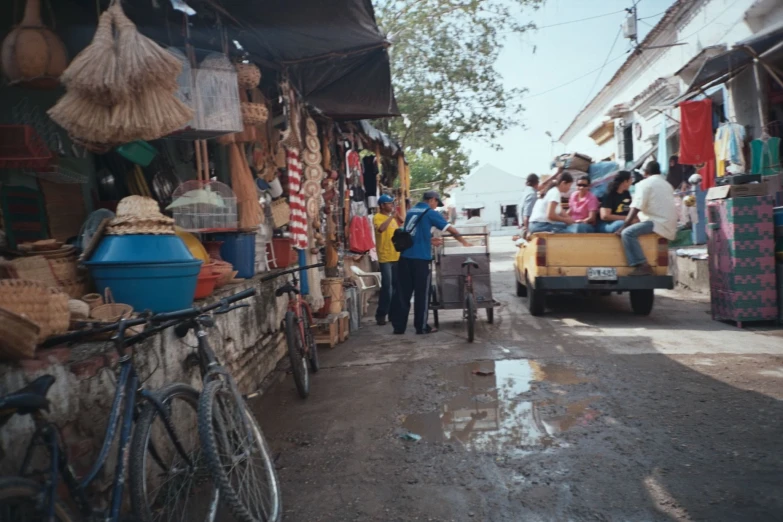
765,156
370,175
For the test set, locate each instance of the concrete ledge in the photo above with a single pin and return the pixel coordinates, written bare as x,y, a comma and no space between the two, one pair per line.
688,273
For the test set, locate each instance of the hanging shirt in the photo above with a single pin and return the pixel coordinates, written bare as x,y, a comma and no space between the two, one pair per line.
696,141
654,198
386,251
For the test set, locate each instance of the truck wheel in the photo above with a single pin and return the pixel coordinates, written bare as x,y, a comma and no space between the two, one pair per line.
642,301
535,299
521,290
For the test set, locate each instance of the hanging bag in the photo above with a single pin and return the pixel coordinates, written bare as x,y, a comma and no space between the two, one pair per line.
402,239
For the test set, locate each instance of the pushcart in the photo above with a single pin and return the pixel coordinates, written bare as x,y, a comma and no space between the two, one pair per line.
462,277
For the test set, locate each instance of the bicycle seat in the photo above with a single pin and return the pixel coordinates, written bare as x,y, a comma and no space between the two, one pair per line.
29,399
469,262
286,289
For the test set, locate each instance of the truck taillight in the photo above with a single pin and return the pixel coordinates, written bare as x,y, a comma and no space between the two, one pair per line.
540,252
663,251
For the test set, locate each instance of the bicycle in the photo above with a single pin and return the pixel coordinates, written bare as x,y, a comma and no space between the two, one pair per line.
187,469
469,312
302,348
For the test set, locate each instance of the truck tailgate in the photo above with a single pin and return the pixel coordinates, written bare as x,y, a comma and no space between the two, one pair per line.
593,250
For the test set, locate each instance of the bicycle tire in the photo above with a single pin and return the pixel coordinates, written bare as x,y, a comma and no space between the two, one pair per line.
315,363
299,364
19,499
143,463
470,305
215,435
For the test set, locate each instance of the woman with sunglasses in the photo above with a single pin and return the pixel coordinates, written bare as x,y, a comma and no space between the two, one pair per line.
583,208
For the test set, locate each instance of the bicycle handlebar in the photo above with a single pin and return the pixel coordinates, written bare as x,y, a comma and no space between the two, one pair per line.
290,271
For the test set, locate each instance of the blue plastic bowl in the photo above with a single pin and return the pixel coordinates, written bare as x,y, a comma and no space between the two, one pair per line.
141,249
159,287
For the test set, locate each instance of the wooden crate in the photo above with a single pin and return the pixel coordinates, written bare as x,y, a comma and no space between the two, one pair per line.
343,325
326,331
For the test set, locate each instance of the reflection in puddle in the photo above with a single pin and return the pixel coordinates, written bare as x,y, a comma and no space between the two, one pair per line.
489,415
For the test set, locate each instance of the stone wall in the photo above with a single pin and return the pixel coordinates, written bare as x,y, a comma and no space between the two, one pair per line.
247,340
688,273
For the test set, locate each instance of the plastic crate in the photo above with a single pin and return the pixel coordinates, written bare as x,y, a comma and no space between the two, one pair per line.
22,148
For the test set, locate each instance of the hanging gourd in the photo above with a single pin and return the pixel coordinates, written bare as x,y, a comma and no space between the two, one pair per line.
32,55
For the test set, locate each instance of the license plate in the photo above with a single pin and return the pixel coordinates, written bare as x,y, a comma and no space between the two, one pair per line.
602,274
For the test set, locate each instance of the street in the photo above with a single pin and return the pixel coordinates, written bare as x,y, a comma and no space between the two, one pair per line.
587,413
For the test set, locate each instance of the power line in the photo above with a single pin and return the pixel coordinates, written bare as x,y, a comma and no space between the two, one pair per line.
581,19
598,76
574,80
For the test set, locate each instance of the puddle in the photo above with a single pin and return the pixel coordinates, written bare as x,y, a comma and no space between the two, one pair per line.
489,415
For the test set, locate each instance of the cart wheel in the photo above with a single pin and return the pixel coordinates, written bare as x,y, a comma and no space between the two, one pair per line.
470,308
490,315
433,305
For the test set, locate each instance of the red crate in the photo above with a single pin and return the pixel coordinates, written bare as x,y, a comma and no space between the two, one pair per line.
22,148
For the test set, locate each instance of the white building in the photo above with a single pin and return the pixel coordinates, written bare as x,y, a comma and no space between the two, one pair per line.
690,53
497,191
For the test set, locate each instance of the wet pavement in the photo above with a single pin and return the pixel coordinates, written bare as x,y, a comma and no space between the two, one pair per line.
587,413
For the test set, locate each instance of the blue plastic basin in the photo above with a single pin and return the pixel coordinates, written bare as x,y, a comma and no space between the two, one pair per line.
141,249
239,249
159,287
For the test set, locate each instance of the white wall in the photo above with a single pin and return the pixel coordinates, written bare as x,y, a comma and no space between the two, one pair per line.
493,188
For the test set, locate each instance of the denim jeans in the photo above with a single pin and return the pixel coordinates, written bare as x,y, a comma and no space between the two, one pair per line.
630,237
413,281
546,226
388,282
580,228
610,227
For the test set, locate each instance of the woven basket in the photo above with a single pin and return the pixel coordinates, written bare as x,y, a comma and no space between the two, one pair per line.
93,300
110,311
64,270
281,213
75,289
141,227
254,113
33,268
18,336
248,75
45,306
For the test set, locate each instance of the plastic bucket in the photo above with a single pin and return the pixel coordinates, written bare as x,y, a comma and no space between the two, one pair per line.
239,249
777,216
159,287
281,254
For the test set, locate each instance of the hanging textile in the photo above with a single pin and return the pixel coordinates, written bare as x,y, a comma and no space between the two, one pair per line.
707,173
696,141
361,235
316,296
729,140
663,147
370,176
765,156
298,224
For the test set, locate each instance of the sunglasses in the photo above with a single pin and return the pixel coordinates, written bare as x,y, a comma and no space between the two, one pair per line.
582,185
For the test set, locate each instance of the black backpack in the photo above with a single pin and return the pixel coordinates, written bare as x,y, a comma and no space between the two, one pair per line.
402,239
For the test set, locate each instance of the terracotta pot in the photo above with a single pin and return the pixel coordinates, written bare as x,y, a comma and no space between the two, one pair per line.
213,249
32,55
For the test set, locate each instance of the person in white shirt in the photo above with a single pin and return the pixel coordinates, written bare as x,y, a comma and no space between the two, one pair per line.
529,198
653,204
548,215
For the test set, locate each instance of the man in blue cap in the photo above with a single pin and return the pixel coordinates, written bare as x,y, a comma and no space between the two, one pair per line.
385,223
414,269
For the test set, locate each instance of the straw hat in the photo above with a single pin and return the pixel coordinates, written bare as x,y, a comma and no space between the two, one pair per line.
312,128
139,215
312,158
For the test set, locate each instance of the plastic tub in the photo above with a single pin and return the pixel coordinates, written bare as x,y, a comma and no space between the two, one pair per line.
239,249
777,216
159,287
141,249
138,152
281,254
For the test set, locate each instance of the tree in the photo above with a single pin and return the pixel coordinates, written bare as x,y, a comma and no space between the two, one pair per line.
447,86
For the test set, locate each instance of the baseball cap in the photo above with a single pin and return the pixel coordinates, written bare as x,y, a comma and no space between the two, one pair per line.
385,199
432,194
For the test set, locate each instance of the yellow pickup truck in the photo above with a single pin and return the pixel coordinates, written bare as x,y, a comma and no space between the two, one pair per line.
588,263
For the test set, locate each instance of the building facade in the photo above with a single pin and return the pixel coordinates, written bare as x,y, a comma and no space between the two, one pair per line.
494,192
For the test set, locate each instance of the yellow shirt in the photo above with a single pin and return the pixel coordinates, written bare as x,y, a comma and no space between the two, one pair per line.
383,240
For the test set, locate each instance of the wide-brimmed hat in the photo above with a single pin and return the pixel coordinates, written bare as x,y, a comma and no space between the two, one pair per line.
139,215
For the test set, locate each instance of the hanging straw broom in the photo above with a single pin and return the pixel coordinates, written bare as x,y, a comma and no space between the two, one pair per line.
250,211
149,115
82,118
142,62
94,71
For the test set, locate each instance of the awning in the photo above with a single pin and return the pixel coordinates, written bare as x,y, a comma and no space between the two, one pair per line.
638,163
724,66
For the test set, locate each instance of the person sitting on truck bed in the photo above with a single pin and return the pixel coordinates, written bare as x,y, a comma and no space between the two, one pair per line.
548,215
653,203
616,203
583,207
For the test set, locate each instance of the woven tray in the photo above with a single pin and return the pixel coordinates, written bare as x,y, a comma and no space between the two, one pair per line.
18,336
45,306
281,213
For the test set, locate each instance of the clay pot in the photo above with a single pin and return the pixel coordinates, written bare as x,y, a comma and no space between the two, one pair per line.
32,55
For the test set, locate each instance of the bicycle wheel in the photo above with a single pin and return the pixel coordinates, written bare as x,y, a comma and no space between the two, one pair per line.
470,308
163,486
296,355
237,455
23,500
312,355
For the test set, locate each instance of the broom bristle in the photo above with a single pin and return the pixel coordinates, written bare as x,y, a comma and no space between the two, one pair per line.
83,119
141,61
94,70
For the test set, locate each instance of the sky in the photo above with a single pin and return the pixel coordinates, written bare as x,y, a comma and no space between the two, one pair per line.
544,59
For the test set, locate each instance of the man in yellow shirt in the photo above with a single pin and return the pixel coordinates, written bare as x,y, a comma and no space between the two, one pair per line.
385,223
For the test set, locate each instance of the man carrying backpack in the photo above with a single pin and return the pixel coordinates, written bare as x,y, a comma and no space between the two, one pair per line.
414,269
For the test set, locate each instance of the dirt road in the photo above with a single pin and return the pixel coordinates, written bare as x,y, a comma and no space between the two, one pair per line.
588,413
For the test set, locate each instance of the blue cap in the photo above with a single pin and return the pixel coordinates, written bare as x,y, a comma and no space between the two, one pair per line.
385,199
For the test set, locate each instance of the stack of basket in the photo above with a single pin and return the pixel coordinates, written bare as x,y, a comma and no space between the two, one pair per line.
139,215
52,263
31,312
313,173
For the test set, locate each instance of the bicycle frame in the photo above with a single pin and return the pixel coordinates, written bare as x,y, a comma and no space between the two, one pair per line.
296,305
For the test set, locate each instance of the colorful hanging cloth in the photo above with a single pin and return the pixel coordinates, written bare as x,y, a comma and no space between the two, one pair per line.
296,201
696,142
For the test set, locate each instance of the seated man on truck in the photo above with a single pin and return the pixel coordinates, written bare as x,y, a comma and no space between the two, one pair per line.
548,215
653,204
